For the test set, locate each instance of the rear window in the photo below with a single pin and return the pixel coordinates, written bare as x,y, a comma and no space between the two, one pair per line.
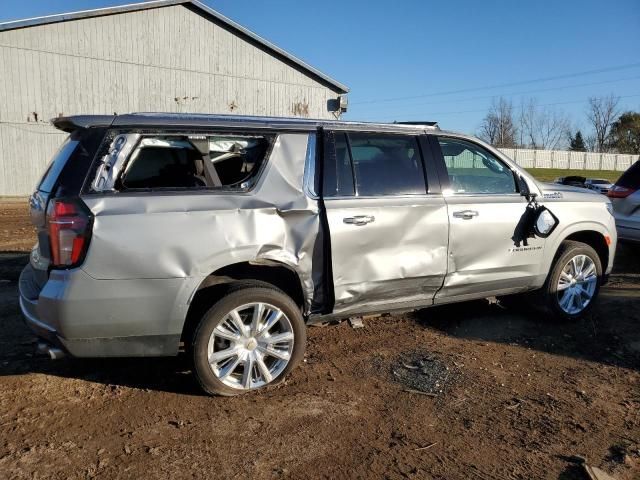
630,178
57,164
68,169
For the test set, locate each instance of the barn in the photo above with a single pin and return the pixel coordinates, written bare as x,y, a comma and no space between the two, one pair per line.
164,55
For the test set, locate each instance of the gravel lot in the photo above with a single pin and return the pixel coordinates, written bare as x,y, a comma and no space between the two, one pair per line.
465,391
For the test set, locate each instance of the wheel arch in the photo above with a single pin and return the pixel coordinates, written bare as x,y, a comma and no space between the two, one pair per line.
595,240
215,285
589,233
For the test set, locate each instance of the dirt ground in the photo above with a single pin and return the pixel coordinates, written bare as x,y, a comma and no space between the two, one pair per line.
511,396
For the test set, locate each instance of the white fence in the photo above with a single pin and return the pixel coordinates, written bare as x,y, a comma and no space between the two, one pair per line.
570,160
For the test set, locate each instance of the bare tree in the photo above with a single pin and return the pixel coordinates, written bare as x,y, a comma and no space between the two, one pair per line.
602,112
498,126
590,143
541,127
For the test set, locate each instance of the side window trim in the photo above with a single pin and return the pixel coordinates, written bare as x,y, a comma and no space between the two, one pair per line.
430,166
353,167
444,174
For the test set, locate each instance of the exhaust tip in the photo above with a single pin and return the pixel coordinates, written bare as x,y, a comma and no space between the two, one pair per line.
53,352
56,353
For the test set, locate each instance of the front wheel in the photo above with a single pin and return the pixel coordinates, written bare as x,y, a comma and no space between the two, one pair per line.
251,338
574,281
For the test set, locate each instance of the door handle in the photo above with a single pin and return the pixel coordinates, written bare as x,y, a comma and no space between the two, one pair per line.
465,214
359,219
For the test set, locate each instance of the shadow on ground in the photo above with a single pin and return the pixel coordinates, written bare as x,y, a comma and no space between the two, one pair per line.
610,334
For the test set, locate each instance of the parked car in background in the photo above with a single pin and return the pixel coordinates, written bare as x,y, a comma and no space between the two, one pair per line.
625,198
599,185
224,236
571,180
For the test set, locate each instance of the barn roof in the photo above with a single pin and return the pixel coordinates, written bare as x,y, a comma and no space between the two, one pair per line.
198,7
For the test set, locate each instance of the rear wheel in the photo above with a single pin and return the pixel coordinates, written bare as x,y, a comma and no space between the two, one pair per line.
251,338
574,281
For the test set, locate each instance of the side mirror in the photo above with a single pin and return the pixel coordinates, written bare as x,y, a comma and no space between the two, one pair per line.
546,222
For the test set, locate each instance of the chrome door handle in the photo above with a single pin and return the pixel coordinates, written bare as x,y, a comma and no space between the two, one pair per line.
359,219
465,214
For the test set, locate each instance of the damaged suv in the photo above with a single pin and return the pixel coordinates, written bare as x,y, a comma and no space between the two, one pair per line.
224,236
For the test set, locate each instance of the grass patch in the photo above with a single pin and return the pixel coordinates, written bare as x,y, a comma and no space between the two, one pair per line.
550,174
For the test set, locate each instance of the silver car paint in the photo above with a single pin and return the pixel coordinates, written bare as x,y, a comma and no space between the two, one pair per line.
150,252
627,214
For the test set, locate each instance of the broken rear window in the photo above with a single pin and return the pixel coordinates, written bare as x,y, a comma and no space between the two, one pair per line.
144,162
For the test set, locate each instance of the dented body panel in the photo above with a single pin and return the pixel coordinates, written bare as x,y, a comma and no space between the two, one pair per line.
369,270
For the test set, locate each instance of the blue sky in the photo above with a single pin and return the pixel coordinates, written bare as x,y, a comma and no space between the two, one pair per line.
401,59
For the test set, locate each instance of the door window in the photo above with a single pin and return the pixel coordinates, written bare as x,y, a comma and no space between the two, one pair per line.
386,164
473,170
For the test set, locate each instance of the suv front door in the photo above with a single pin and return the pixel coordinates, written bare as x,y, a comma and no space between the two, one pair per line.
388,233
484,207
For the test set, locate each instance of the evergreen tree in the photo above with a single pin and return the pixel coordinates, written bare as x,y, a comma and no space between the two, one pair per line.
576,144
625,133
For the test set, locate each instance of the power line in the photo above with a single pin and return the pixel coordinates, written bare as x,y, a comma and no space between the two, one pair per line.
513,94
503,85
433,114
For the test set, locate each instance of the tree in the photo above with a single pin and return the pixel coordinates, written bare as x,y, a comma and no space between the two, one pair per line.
602,112
541,127
576,143
625,133
498,127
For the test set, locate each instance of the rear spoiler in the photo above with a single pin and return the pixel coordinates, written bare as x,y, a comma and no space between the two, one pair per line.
75,122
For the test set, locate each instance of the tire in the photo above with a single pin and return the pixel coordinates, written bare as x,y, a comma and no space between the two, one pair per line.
557,291
228,336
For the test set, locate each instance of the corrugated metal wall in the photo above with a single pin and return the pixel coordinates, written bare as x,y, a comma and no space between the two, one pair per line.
167,59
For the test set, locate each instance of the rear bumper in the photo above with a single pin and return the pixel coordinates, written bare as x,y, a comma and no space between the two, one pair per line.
103,318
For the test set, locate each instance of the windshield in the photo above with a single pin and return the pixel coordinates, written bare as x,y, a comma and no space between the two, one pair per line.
57,164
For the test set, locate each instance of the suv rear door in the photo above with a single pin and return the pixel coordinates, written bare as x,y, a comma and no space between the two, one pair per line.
484,207
388,230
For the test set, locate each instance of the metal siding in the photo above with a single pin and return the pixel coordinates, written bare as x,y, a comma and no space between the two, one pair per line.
135,61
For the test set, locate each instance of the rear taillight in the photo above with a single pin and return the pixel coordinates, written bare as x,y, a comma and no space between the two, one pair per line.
620,192
69,225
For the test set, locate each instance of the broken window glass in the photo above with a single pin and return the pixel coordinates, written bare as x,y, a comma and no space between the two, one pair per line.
227,162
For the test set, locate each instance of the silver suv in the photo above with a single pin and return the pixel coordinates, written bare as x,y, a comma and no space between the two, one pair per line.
223,236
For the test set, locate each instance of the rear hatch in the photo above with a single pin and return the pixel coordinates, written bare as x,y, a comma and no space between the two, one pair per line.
63,178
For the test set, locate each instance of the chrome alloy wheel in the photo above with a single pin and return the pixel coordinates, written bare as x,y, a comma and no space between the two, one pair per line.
577,284
251,346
